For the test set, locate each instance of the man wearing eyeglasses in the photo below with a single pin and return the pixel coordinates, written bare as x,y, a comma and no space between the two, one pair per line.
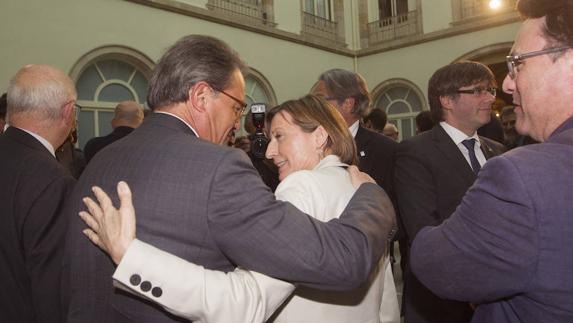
435,168
204,202
507,247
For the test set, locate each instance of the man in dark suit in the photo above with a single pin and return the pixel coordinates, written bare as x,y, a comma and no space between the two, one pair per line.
204,202
434,170
507,247
128,116
348,92
34,187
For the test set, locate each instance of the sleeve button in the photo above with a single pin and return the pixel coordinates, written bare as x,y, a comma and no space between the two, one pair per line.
145,286
135,279
156,291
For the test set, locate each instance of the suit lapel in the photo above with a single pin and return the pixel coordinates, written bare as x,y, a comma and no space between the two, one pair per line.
362,146
486,149
452,154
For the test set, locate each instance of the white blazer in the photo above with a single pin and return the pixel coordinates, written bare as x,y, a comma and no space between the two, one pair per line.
203,295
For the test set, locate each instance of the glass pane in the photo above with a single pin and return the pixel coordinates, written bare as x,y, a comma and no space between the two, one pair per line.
321,9
414,101
398,92
309,6
407,128
401,7
398,107
384,9
88,83
115,70
85,127
139,84
104,124
115,93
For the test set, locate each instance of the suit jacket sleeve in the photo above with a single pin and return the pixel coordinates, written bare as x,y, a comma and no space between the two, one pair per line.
415,189
488,248
42,242
259,233
199,294
202,295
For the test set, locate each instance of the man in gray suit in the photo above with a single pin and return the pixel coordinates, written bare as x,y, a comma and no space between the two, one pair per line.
507,247
205,202
434,170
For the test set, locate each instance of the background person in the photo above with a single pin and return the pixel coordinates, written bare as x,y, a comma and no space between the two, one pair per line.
435,168
507,247
34,188
128,115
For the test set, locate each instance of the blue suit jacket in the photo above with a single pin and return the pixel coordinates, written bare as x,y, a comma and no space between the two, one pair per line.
507,247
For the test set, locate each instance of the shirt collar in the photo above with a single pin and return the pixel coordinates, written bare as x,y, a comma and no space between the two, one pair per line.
42,140
457,135
175,116
354,128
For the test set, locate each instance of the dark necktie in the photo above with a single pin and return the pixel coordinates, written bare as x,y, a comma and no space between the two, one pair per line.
469,143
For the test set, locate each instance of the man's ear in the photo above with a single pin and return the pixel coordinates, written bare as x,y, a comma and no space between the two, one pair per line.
69,114
348,105
446,102
199,94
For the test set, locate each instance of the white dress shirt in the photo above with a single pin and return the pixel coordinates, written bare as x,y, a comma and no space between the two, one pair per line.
458,136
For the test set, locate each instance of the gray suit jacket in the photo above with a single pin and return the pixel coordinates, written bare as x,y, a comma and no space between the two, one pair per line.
431,177
507,247
207,204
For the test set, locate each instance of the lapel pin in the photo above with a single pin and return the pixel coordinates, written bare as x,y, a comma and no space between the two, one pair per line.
362,153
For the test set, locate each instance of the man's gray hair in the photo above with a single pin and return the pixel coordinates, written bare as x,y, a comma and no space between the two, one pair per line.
40,94
342,84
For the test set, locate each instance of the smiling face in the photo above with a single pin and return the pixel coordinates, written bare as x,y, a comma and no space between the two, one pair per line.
292,149
541,89
468,111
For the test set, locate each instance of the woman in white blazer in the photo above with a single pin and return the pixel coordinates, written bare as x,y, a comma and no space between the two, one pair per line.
311,146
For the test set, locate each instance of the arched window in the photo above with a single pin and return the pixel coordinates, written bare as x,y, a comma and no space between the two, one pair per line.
103,78
257,90
402,101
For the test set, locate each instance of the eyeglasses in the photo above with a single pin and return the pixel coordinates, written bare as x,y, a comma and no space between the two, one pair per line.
479,91
242,104
513,61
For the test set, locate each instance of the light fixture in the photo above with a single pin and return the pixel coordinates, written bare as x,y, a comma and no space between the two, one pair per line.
495,4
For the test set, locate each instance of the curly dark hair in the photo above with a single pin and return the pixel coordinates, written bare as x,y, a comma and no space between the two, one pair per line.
558,15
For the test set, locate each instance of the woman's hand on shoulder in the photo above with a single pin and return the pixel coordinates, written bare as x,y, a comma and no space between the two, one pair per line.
358,178
109,228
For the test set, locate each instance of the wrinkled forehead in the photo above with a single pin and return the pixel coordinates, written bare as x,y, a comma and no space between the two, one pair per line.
530,37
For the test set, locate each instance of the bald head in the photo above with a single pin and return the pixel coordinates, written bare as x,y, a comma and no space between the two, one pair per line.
41,99
127,113
40,92
391,131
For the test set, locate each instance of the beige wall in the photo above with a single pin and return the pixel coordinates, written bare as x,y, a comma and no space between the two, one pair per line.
437,15
287,15
59,34
417,63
